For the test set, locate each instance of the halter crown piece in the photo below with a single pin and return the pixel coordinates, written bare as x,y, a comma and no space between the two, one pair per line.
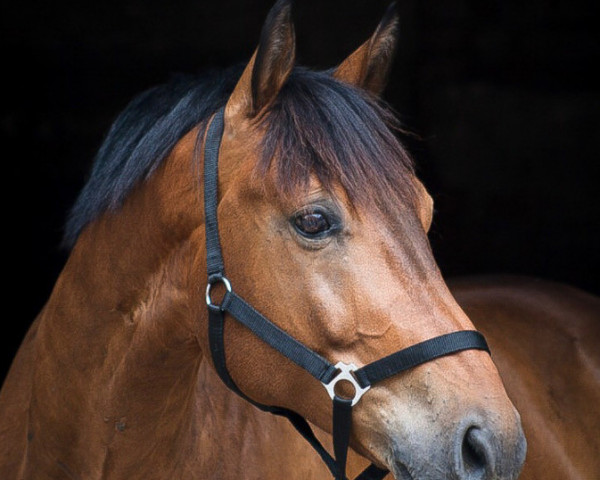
328,374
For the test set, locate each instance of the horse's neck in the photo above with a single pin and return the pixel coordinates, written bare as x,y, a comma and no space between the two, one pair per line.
115,356
116,360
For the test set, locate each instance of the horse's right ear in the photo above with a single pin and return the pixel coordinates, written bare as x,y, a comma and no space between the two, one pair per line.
368,67
268,68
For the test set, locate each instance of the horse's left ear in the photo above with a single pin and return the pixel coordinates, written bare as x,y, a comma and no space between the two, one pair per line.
368,67
269,67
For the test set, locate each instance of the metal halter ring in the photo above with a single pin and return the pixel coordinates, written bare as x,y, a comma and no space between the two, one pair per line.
222,280
345,373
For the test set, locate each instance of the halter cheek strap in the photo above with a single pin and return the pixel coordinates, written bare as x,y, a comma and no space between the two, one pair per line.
320,368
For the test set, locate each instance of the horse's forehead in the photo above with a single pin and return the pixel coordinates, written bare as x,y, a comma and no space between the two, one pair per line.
255,188
242,166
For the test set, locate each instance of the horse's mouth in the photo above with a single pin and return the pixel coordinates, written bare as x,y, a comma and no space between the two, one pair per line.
400,472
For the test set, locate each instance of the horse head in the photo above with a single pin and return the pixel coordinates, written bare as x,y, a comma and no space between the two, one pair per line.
323,227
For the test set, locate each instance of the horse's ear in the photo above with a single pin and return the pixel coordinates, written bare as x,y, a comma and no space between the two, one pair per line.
269,67
368,67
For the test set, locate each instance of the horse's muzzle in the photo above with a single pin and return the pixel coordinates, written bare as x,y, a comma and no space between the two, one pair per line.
477,451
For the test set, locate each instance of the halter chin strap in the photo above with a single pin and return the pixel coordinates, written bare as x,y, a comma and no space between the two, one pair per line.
328,374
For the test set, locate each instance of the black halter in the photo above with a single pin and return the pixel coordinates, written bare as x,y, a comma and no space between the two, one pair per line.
361,378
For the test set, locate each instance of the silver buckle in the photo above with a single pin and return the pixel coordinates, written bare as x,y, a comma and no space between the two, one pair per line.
222,280
345,373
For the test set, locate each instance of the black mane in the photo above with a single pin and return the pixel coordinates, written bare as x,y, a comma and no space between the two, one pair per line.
317,125
142,136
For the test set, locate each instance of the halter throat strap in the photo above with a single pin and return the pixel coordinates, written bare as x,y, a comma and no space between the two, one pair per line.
320,368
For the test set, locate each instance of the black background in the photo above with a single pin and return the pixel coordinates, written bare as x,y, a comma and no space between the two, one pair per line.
503,94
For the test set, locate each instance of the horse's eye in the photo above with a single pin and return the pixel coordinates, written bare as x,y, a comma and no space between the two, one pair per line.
312,224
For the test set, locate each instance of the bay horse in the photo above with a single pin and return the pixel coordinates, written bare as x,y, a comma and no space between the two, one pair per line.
323,228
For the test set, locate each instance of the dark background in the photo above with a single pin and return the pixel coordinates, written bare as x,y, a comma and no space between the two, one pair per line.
503,94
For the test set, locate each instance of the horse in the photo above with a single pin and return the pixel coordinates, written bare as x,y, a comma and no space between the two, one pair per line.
323,227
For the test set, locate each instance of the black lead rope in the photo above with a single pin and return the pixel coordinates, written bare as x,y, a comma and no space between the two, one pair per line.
328,374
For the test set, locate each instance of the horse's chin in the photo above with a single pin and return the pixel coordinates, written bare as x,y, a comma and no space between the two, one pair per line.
390,458
401,472
386,458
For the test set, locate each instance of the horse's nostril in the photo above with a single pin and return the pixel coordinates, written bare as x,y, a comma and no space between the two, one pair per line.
473,455
476,457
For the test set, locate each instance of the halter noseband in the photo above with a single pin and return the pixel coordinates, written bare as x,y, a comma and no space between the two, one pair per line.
361,378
